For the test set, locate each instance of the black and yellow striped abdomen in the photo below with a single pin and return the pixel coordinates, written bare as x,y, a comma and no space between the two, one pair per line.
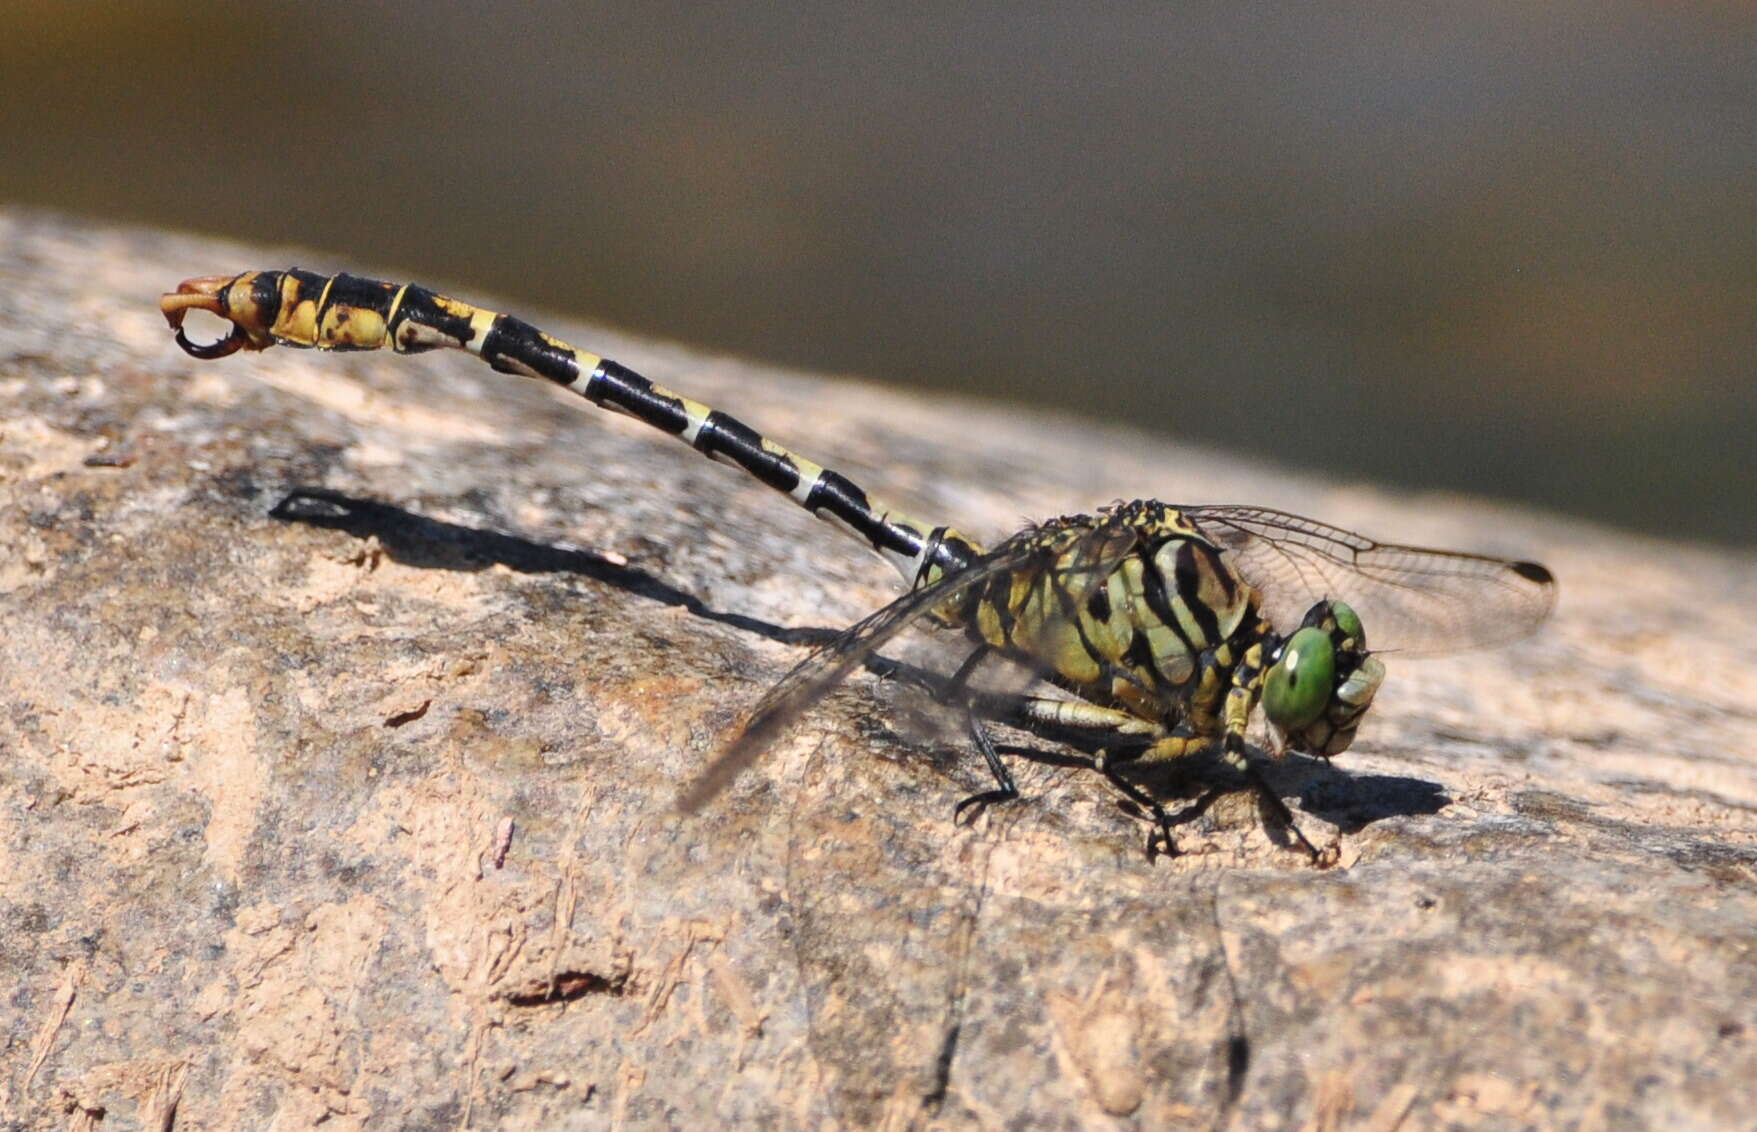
349,312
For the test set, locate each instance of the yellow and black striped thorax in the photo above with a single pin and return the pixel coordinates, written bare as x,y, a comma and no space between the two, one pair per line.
1131,606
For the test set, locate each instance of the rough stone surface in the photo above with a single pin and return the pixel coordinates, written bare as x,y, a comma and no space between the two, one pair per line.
343,701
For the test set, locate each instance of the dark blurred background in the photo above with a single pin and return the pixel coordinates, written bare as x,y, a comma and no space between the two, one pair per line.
1509,248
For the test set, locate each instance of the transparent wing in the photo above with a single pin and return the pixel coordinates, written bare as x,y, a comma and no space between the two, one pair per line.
1409,598
815,676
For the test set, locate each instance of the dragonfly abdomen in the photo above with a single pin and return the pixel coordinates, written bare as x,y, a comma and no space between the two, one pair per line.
350,312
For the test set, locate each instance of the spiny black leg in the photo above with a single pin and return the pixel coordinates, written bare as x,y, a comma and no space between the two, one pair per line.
1005,790
955,687
1159,840
1278,809
1267,797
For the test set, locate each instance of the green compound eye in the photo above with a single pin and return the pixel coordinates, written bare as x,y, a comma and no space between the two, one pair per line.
1348,621
1298,686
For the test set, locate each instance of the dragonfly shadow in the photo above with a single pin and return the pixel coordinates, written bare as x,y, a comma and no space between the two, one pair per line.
433,544
1352,802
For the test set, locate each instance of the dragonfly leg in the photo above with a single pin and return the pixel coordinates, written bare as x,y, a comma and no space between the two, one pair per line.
1079,716
1167,747
1005,790
954,689
1130,739
1159,841
1181,743
1241,699
1232,750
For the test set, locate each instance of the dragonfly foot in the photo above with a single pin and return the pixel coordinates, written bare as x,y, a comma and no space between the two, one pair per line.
976,803
1159,840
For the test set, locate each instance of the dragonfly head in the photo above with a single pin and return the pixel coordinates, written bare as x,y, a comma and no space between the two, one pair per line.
1322,680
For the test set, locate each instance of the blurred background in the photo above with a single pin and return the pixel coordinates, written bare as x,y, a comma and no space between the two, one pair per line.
1501,247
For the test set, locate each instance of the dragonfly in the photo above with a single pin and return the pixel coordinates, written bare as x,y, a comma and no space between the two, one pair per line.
1155,632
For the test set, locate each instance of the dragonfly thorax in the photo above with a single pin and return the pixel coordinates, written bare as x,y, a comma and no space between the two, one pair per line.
1132,607
1137,608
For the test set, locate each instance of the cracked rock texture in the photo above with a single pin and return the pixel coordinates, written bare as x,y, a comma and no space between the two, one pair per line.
343,701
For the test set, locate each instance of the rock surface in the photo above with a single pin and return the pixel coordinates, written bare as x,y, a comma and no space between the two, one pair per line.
343,701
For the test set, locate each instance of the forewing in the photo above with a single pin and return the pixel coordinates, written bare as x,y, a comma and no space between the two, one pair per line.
1409,598
828,665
